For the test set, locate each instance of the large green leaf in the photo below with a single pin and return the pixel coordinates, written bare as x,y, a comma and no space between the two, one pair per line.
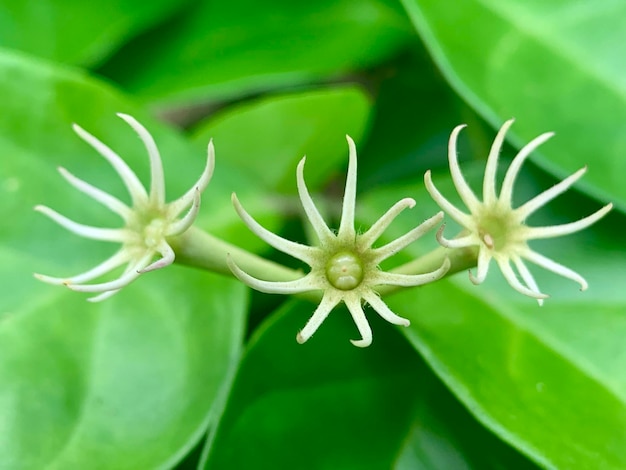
224,49
76,32
327,404
550,380
266,138
128,383
556,66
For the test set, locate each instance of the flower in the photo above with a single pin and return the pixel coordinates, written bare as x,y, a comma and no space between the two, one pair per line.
343,265
148,222
499,230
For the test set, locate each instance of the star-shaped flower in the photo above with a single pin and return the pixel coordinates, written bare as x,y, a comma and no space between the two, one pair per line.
148,221
496,228
344,265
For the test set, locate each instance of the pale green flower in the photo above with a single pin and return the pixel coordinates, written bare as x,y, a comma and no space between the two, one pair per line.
344,265
148,221
499,230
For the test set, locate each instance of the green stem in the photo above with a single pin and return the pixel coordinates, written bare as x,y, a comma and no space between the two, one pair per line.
201,250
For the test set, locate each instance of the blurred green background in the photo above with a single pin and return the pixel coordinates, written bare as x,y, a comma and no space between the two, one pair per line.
185,369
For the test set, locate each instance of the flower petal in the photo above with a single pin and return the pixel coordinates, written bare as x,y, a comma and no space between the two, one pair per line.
410,280
489,181
461,242
367,239
297,250
103,198
383,310
132,273
105,234
506,192
484,257
304,284
533,233
555,267
398,244
346,225
182,225
317,222
135,188
527,277
511,278
466,193
167,257
356,310
462,218
157,180
180,204
542,199
119,258
328,302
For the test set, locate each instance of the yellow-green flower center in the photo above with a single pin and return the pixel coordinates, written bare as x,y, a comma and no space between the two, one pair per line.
496,228
344,270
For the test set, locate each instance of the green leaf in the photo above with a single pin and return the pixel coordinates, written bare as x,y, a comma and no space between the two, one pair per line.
551,381
221,50
555,66
266,138
325,404
124,384
77,32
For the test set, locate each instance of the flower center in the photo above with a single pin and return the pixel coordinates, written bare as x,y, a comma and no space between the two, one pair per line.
154,233
495,230
344,270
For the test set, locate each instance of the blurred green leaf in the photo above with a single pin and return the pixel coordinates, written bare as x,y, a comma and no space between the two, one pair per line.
556,66
77,32
327,404
220,50
124,384
266,138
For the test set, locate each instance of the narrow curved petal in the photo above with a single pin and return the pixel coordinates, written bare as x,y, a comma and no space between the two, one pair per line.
527,277
356,310
317,222
462,218
346,225
511,278
97,194
177,206
368,238
383,310
489,181
411,280
484,257
87,231
467,195
398,244
103,296
182,225
328,302
461,242
304,284
109,264
135,188
556,268
511,174
157,180
542,199
132,273
167,257
533,233
297,250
